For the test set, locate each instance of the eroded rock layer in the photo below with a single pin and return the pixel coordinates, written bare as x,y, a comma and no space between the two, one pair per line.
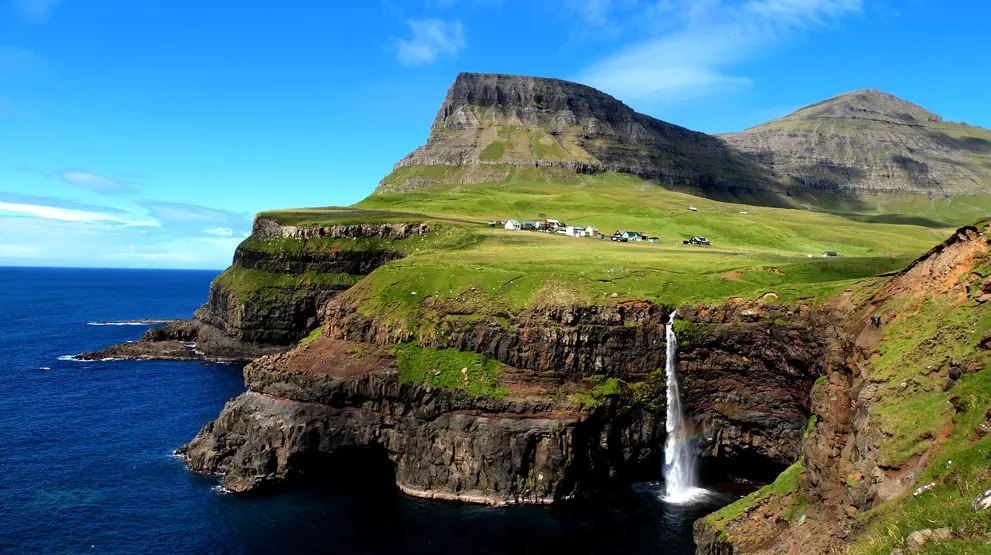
304,408
749,398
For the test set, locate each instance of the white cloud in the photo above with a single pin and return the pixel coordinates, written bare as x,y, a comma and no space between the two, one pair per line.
692,45
70,215
96,183
179,215
38,11
430,38
219,231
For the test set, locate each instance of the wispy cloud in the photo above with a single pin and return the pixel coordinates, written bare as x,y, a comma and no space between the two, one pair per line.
56,202
38,11
201,218
42,242
691,46
97,183
219,231
70,215
430,39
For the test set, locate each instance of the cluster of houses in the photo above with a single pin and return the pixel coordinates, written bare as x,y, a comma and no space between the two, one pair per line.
555,226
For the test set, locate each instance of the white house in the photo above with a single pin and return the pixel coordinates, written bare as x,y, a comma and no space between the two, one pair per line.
574,231
513,225
553,223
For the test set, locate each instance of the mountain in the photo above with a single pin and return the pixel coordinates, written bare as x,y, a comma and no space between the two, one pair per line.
858,153
489,123
868,141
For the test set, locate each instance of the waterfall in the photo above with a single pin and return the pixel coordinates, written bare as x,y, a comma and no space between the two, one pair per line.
679,458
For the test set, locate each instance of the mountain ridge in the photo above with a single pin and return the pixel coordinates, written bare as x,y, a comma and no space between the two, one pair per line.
837,154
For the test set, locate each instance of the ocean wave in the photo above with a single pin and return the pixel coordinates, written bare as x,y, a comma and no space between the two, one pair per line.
72,358
220,490
45,368
123,323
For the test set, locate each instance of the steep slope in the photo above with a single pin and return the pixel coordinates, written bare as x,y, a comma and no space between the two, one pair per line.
868,142
489,123
897,454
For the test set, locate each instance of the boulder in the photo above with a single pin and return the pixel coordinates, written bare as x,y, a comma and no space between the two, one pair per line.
918,539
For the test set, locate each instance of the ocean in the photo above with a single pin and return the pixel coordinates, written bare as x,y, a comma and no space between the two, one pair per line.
86,463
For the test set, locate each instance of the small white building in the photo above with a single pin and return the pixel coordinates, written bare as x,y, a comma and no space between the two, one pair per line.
553,224
574,231
591,230
513,225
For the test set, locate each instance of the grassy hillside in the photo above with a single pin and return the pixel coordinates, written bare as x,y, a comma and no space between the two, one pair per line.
762,250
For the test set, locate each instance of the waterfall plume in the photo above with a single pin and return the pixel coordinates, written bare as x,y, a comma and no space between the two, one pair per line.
679,455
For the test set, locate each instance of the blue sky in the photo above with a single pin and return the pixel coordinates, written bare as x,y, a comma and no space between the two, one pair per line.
146,133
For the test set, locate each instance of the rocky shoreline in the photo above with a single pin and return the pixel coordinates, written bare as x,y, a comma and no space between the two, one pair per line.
185,340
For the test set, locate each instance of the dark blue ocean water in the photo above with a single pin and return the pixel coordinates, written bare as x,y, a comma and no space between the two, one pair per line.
86,461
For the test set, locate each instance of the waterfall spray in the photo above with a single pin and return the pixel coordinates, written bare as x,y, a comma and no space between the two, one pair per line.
679,458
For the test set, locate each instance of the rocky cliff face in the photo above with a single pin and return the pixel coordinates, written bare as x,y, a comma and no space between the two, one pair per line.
332,397
274,292
536,445
507,120
868,142
747,376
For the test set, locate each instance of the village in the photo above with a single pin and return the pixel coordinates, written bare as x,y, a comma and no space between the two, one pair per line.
590,232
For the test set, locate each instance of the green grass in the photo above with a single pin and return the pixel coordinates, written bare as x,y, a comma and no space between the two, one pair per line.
442,368
311,337
602,387
765,250
915,350
260,286
442,235
494,151
546,148
785,484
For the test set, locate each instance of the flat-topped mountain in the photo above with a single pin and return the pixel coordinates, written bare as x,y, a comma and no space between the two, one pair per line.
491,122
869,141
